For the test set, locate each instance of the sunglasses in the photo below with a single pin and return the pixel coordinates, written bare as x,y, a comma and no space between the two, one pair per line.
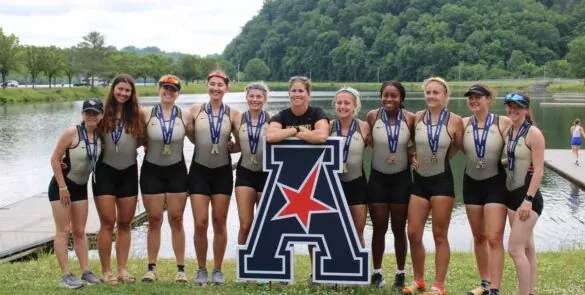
169,79
217,74
518,99
298,78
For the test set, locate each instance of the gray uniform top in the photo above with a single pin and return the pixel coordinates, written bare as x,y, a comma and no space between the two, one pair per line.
154,152
125,156
522,161
423,149
494,145
355,154
78,161
245,142
381,149
203,142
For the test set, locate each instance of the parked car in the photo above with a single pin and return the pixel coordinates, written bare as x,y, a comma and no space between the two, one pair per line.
10,83
80,84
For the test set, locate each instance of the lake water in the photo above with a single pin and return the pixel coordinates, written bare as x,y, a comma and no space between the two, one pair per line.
28,134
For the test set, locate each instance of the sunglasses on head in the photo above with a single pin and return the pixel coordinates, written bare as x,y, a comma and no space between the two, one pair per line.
518,99
169,79
298,78
217,74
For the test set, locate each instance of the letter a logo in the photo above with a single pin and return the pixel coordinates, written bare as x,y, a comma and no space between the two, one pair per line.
303,203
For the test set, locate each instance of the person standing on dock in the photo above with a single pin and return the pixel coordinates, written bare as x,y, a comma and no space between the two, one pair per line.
116,188
576,134
163,175
79,149
483,186
437,138
390,182
524,147
210,174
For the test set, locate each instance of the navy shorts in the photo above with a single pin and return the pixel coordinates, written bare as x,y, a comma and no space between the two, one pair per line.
156,179
389,188
249,178
119,183
355,191
436,185
77,192
485,191
210,181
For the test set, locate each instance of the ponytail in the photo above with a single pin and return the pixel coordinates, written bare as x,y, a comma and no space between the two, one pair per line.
528,117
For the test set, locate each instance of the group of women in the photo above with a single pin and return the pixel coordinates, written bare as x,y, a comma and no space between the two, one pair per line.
410,175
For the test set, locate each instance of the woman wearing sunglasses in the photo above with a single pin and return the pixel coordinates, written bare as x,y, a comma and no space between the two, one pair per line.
116,186
390,182
354,132
437,138
210,174
524,146
483,189
163,176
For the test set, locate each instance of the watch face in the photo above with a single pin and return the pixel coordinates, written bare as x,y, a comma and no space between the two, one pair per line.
529,198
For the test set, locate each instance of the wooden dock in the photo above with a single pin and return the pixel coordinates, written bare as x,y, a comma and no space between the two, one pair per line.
27,226
563,163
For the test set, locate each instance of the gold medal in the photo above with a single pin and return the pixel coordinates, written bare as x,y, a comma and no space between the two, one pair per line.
215,149
253,159
344,167
392,159
434,158
167,150
480,164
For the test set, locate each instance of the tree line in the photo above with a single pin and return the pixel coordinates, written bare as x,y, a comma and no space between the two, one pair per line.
409,40
93,59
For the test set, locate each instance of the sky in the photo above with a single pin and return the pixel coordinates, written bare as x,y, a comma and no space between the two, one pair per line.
188,26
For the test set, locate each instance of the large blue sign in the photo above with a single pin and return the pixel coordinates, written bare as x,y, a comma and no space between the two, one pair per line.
303,203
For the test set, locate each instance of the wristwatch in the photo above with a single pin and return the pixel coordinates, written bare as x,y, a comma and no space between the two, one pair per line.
529,198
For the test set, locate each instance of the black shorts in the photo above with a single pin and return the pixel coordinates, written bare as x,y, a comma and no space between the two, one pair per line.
515,198
77,192
156,179
436,185
485,191
355,191
210,181
111,181
249,178
389,188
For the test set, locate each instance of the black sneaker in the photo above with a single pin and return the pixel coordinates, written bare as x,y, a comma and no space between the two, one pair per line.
399,281
494,292
377,280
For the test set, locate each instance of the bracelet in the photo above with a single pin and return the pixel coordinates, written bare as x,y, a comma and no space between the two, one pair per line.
62,189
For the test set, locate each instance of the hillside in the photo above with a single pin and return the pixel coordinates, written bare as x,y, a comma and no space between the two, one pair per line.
409,40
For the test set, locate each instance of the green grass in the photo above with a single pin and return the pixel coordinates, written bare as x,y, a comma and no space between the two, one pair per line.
29,95
558,273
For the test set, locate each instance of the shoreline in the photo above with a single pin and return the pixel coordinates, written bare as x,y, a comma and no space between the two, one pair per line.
26,95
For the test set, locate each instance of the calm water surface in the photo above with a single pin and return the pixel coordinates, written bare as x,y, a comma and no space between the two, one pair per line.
28,134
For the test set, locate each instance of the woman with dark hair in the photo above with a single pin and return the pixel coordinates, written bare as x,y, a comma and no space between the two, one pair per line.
524,148
163,175
78,149
116,186
576,134
389,185
210,174
483,186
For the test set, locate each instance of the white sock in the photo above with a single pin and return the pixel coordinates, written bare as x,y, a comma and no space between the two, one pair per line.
399,272
377,270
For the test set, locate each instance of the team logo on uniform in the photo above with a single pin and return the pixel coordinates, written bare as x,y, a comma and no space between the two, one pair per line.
303,203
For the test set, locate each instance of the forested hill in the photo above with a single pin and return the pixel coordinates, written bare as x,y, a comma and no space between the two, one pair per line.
409,40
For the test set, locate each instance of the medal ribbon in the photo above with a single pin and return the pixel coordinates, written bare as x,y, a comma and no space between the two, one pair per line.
117,132
392,136
215,130
512,143
254,137
480,143
434,140
91,155
350,132
167,132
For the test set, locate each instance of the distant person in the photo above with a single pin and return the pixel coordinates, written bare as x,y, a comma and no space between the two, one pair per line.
79,149
483,186
437,138
210,174
576,134
163,175
347,104
390,182
116,186
524,147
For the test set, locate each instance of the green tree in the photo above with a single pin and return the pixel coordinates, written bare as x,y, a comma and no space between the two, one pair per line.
576,56
53,63
557,69
34,62
93,52
188,67
9,48
228,67
256,69
71,63
158,65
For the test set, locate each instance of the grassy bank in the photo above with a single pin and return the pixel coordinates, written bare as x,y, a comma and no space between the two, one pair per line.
39,94
559,273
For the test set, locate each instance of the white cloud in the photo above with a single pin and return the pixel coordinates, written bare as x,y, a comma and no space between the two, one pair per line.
189,26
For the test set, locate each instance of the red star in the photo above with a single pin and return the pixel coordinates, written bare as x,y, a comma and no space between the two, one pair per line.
301,203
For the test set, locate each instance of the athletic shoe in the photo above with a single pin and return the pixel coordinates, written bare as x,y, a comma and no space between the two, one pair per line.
70,281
